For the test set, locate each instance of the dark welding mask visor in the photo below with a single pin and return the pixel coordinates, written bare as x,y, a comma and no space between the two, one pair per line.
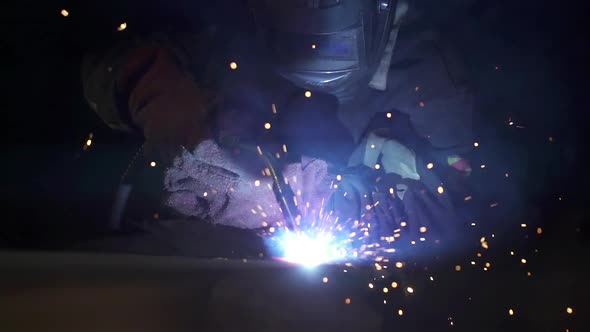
323,44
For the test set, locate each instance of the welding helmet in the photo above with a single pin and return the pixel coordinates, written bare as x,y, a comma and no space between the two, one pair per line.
325,45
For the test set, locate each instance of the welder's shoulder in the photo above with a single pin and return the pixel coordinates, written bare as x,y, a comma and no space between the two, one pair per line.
427,81
428,53
101,67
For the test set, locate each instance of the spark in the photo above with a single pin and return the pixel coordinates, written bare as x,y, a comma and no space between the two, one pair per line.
569,310
377,166
410,290
325,280
511,312
274,109
339,177
307,94
399,265
347,300
441,189
89,142
403,224
391,191
400,312
371,285
233,65
422,229
257,183
122,26
468,198
153,164
205,194
272,229
483,166
389,115
421,104
523,260
313,46
385,290
539,230
476,144
457,268
394,284
430,165
267,125
64,13
523,225
284,148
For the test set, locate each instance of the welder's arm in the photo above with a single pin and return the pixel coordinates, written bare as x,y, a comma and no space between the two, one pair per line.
145,88
429,84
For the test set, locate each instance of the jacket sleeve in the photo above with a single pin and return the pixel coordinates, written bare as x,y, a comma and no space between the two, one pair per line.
428,83
99,79
108,75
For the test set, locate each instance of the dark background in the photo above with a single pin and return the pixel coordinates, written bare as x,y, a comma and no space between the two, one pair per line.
528,61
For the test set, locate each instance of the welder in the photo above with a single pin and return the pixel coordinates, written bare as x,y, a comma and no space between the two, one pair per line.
356,93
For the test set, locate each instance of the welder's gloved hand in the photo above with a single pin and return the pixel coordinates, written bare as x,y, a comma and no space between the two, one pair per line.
369,197
347,202
164,102
393,156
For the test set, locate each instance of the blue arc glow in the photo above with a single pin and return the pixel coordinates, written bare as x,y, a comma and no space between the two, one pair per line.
310,250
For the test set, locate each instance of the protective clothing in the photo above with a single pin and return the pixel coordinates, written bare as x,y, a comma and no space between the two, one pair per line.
225,188
164,101
393,156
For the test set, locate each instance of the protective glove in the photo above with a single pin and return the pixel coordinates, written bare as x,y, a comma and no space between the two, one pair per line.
385,203
364,195
164,102
393,156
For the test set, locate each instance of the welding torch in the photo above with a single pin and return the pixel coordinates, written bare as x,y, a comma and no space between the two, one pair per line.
283,192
